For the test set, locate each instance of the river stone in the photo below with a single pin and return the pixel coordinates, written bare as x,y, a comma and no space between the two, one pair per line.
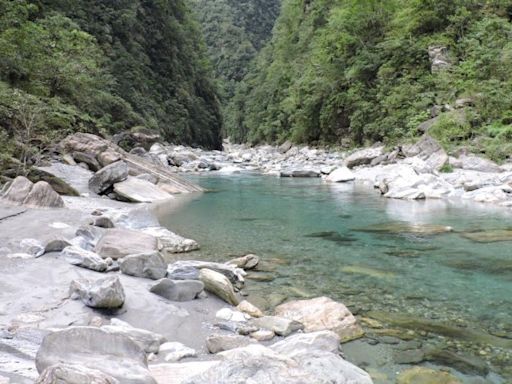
85,259
220,343
174,351
235,275
149,341
42,195
18,190
363,156
249,261
489,236
56,245
263,335
102,222
74,374
258,364
299,173
84,142
279,325
108,176
465,364
149,265
108,157
111,353
229,314
249,308
340,175
219,285
321,340
140,191
117,243
102,293
422,375
182,272
177,290
170,242
320,314
399,227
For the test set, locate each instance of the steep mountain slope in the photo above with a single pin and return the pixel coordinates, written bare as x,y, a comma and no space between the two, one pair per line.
354,71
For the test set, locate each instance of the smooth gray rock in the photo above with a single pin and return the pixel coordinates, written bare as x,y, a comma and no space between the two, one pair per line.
174,351
18,190
106,292
88,159
111,353
363,156
249,261
322,340
279,325
475,163
140,191
234,274
430,151
117,243
102,222
340,175
32,247
149,265
220,343
182,272
149,341
108,176
74,374
85,259
177,290
42,195
170,242
56,245
219,285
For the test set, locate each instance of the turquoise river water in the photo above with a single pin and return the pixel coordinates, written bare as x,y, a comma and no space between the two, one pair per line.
348,243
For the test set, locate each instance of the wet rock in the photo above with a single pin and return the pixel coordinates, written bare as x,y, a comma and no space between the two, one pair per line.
300,173
465,364
108,176
279,325
85,259
363,156
220,343
170,242
111,353
219,285
249,261
149,341
74,374
174,351
177,290
140,191
423,375
341,175
117,243
149,265
261,276
489,236
102,293
250,309
413,356
320,314
399,227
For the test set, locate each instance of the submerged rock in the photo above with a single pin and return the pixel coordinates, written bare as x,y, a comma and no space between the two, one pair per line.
322,313
149,265
177,290
417,375
489,236
74,374
102,293
111,353
400,227
249,261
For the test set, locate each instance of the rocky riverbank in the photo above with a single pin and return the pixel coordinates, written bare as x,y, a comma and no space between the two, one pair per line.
92,281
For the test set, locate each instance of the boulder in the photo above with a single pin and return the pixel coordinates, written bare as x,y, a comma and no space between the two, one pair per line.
285,147
59,185
219,285
258,364
106,292
177,290
117,243
149,265
234,274
111,353
220,343
84,142
322,340
174,351
149,341
430,151
320,314
363,156
102,222
18,190
88,159
279,325
340,175
170,242
42,195
56,245
108,176
140,191
74,374
475,163
249,261
108,157
83,258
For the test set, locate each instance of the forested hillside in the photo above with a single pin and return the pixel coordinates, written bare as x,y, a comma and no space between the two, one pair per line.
103,66
234,31
359,71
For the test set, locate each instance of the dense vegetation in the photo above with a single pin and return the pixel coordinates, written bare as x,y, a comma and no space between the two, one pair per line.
234,31
102,66
360,70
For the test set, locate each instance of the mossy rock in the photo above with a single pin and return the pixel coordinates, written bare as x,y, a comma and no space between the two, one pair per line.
58,185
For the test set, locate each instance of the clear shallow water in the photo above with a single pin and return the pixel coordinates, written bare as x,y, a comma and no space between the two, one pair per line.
319,235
